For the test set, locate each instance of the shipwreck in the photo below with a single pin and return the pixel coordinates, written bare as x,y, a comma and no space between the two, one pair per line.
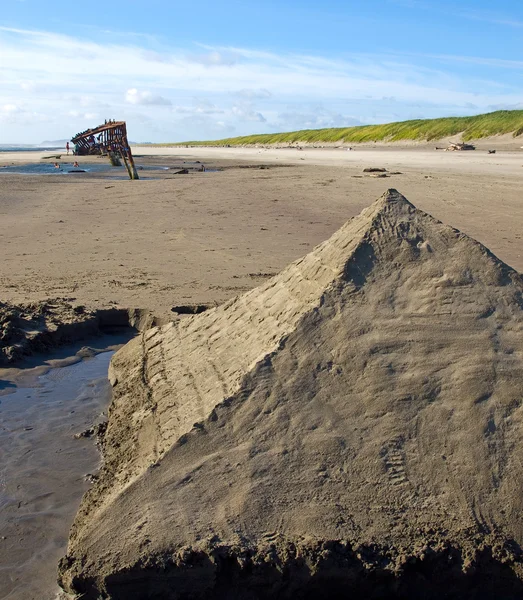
109,139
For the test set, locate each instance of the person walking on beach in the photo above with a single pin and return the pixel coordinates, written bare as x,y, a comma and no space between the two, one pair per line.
67,147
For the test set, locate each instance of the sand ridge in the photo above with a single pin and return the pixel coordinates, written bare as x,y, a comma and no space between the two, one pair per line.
369,396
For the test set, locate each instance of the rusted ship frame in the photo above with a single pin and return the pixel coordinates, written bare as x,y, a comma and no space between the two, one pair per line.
109,138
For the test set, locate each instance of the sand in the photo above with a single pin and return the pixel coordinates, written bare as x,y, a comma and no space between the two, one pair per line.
40,327
367,399
205,237
507,161
37,327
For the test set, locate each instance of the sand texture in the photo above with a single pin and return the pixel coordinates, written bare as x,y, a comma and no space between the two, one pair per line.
353,423
32,327
204,238
39,327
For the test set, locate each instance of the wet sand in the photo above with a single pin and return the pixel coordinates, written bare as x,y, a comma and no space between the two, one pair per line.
45,470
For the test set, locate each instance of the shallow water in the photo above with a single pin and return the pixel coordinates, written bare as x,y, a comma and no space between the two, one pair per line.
43,468
67,168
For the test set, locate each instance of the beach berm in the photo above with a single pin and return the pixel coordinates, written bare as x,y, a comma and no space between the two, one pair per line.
350,428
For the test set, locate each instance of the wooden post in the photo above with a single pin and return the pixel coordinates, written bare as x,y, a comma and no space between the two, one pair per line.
127,166
121,150
133,168
115,161
133,173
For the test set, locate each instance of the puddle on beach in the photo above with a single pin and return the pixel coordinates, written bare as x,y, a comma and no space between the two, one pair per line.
43,468
103,169
67,168
126,178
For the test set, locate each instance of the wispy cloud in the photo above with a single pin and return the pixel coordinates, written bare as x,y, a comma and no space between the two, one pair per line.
488,17
64,80
254,94
214,58
314,117
10,109
498,63
145,98
247,113
454,10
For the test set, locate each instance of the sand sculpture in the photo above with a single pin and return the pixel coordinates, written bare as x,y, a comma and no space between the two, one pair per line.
351,428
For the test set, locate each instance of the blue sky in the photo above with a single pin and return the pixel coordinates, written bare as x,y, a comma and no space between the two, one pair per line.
180,71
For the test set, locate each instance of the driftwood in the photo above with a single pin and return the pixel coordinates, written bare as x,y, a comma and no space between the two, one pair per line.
108,139
458,146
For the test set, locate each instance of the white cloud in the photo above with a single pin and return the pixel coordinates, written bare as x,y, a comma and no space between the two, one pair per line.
206,107
145,98
29,86
10,109
315,118
455,10
153,56
216,58
198,106
248,89
18,117
252,94
246,113
90,102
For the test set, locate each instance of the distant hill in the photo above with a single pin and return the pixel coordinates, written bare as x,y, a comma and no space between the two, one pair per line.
54,143
471,128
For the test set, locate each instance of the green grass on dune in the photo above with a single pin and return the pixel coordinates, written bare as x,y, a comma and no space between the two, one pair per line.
472,128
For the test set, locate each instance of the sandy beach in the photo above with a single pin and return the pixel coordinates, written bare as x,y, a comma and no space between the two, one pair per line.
261,301
167,239
100,240
507,159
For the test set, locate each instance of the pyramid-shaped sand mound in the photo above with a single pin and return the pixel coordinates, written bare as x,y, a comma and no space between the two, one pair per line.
352,428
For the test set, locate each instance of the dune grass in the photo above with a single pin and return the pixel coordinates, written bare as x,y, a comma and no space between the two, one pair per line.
471,128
